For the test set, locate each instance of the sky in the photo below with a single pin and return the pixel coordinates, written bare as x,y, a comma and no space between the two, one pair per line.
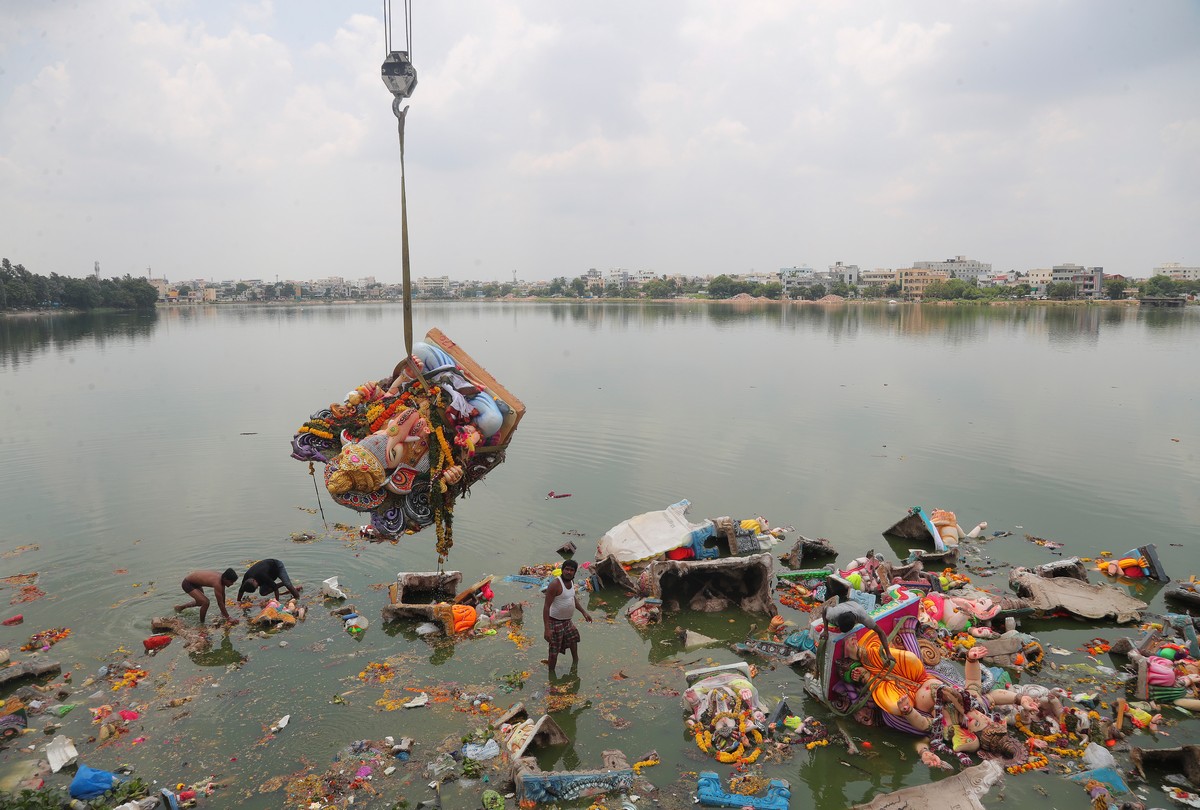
220,140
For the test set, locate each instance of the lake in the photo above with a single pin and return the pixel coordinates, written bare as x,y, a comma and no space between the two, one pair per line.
139,448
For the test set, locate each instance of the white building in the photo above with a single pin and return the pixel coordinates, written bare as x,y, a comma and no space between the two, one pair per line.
1177,271
847,272
793,278
640,277
958,267
1088,281
1010,279
618,277
426,285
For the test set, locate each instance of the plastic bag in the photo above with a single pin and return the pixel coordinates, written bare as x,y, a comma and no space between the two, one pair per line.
330,589
480,753
1097,756
61,753
90,783
442,768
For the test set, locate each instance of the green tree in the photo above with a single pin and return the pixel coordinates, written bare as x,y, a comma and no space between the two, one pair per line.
578,288
657,288
79,293
1061,291
893,289
725,287
772,290
1114,288
557,286
1154,286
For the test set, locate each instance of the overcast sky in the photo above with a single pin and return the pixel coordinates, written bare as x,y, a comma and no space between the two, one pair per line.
220,139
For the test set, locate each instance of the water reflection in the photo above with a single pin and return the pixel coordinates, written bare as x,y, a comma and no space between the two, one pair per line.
23,338
564,691
955,323
219,656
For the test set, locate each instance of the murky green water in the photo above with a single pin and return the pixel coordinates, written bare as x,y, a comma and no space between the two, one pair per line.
136,449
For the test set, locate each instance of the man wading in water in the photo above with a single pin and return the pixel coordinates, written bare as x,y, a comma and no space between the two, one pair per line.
561,604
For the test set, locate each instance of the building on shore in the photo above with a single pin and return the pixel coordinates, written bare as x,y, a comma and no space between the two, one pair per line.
1088,281
1177,271
915,280
958,267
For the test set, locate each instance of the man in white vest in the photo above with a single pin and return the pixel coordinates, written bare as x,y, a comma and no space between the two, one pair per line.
561,603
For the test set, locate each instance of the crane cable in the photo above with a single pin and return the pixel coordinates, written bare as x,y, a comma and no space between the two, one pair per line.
400,116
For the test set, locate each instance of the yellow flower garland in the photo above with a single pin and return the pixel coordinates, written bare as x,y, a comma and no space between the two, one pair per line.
645,763
1035,762
738,754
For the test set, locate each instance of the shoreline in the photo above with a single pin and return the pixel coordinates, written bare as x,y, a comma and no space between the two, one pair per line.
1133,302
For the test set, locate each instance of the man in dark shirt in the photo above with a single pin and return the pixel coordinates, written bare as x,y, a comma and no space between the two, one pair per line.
267,576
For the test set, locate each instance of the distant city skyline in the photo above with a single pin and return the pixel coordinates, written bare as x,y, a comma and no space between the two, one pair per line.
255,138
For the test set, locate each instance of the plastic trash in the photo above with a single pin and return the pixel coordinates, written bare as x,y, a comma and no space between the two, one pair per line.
330,589
61,753
156,642
148,803
11,620
281,723
420,700
442,768
1097,756
358,621
481,752
427,629
91,783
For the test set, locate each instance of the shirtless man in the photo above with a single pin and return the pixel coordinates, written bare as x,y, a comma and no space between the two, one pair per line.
194,585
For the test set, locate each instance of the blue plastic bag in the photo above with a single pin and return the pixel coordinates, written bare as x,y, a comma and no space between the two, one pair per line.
90,783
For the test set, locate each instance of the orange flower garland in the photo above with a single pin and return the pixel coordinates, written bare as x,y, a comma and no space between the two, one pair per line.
1035,762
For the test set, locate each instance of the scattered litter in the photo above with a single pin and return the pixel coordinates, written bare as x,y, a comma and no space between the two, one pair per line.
330,589
61,753
281,724
553,494
420,700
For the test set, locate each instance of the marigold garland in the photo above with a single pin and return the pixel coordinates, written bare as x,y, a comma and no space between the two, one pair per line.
46,638
130,679
816,743
645,763
1035,762
704,740
1028,732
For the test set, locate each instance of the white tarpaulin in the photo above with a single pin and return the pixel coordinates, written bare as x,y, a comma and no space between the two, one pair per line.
648,535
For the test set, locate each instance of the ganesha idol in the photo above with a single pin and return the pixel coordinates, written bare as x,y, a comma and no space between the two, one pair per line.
957,614
1137,563
946,523
404,447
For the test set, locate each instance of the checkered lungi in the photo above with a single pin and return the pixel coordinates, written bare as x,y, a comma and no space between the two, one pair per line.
563,633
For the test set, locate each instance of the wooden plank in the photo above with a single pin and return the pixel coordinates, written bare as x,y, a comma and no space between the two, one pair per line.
481,375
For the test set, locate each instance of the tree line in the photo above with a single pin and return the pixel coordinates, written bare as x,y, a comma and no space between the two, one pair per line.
23,290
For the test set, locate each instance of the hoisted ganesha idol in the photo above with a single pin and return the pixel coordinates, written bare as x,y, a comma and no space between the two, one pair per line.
393,457
405,446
